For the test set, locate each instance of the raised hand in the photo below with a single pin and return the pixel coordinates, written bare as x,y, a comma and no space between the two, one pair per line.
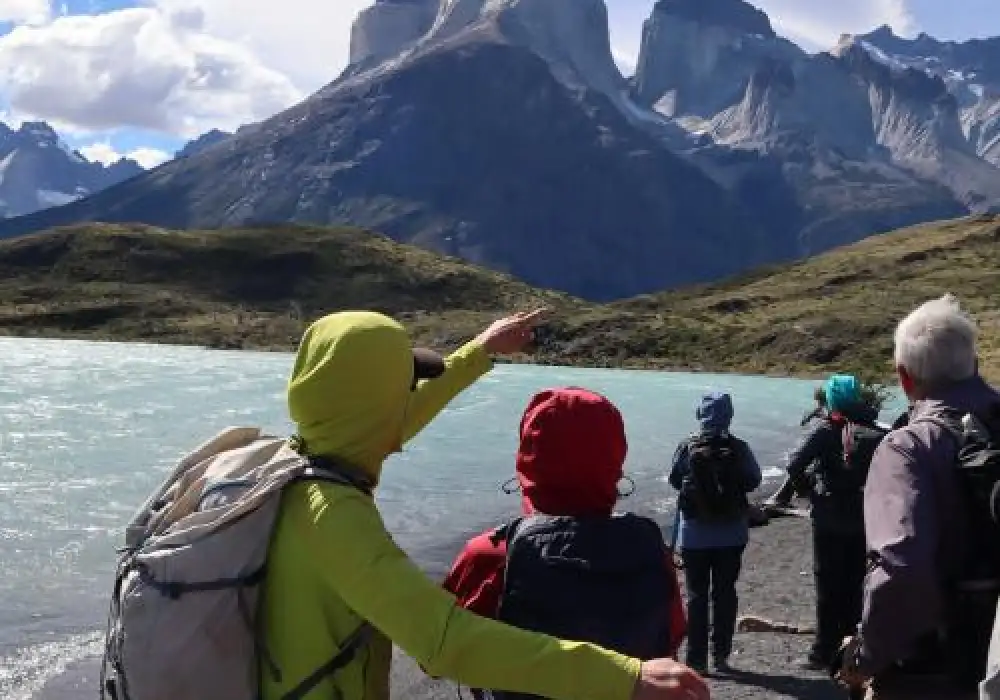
511,334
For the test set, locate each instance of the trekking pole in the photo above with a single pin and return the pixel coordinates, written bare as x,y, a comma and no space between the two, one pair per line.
673,537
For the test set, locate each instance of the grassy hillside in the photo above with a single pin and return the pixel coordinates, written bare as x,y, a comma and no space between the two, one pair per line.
257,288
243,288
837,310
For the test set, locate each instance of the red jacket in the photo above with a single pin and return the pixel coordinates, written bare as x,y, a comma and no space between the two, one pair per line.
569,463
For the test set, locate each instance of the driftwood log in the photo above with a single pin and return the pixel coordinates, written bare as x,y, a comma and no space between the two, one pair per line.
755,623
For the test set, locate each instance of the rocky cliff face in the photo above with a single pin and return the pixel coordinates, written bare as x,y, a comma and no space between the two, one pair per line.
696,58
388,27
969,70
571,35
919,120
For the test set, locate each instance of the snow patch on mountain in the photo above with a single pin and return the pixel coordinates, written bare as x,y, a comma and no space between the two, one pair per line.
38,170
50,198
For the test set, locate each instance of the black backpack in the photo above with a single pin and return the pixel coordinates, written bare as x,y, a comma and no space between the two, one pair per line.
714,487
847,476
603,580
976,592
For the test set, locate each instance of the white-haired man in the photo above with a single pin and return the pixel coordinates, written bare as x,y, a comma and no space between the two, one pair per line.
915,639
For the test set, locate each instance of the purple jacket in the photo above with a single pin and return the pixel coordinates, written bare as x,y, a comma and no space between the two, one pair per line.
913,524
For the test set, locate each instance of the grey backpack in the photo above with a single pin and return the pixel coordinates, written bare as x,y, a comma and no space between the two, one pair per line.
183,619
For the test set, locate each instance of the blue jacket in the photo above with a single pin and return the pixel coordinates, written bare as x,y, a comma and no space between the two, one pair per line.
715,413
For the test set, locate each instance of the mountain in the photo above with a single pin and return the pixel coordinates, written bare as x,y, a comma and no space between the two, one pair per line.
258,287
501,132
854,146
970,70
529,175
38,170
206,140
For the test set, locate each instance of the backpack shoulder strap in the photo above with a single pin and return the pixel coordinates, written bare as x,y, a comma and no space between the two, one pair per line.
337,472
505,532
948,419
349,648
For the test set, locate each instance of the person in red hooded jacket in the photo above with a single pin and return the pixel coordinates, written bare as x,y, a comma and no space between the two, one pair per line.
569,463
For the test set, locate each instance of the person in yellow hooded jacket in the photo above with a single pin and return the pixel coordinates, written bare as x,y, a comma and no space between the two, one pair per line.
358,392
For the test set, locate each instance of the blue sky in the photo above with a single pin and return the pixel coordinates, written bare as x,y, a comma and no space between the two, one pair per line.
141,77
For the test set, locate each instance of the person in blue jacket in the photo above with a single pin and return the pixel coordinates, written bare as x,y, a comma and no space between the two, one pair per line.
713,472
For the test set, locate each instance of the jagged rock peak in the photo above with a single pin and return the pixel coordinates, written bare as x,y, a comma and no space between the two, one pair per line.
732,14
571,35
882,32
696,56
40,130
206,140
864,59
388,27
922,45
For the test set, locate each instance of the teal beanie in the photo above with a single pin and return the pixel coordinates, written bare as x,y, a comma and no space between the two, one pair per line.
842,391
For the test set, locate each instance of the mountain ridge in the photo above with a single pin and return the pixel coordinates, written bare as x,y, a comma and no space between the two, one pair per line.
38,170
257,288
729,148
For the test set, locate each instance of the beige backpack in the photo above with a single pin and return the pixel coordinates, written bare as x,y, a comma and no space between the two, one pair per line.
183,618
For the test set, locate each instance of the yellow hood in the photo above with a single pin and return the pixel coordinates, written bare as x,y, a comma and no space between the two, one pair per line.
350,387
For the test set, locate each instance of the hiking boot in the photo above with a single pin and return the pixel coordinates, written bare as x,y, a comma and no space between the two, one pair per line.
721,664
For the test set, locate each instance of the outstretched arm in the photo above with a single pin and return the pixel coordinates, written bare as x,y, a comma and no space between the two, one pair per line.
375,578
462,369
506,336
809,449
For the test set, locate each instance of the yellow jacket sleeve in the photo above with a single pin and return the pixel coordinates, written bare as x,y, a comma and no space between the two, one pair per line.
361,564
462,368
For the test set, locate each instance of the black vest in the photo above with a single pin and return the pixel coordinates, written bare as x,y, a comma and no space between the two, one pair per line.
602,579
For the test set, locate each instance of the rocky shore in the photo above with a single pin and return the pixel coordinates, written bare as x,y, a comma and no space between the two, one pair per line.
776,584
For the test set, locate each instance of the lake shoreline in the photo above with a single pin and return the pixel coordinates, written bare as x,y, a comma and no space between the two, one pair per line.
637,365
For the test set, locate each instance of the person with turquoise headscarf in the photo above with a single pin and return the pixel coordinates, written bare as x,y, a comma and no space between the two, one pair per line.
825,466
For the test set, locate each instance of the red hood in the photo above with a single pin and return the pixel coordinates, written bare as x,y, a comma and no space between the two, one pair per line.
571,454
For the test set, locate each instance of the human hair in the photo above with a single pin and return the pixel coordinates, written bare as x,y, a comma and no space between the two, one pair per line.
819,394
936,343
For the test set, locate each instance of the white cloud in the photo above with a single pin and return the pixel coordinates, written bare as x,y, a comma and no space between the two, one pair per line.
103,152
306,40
24,11
138,67
818,25
625,60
